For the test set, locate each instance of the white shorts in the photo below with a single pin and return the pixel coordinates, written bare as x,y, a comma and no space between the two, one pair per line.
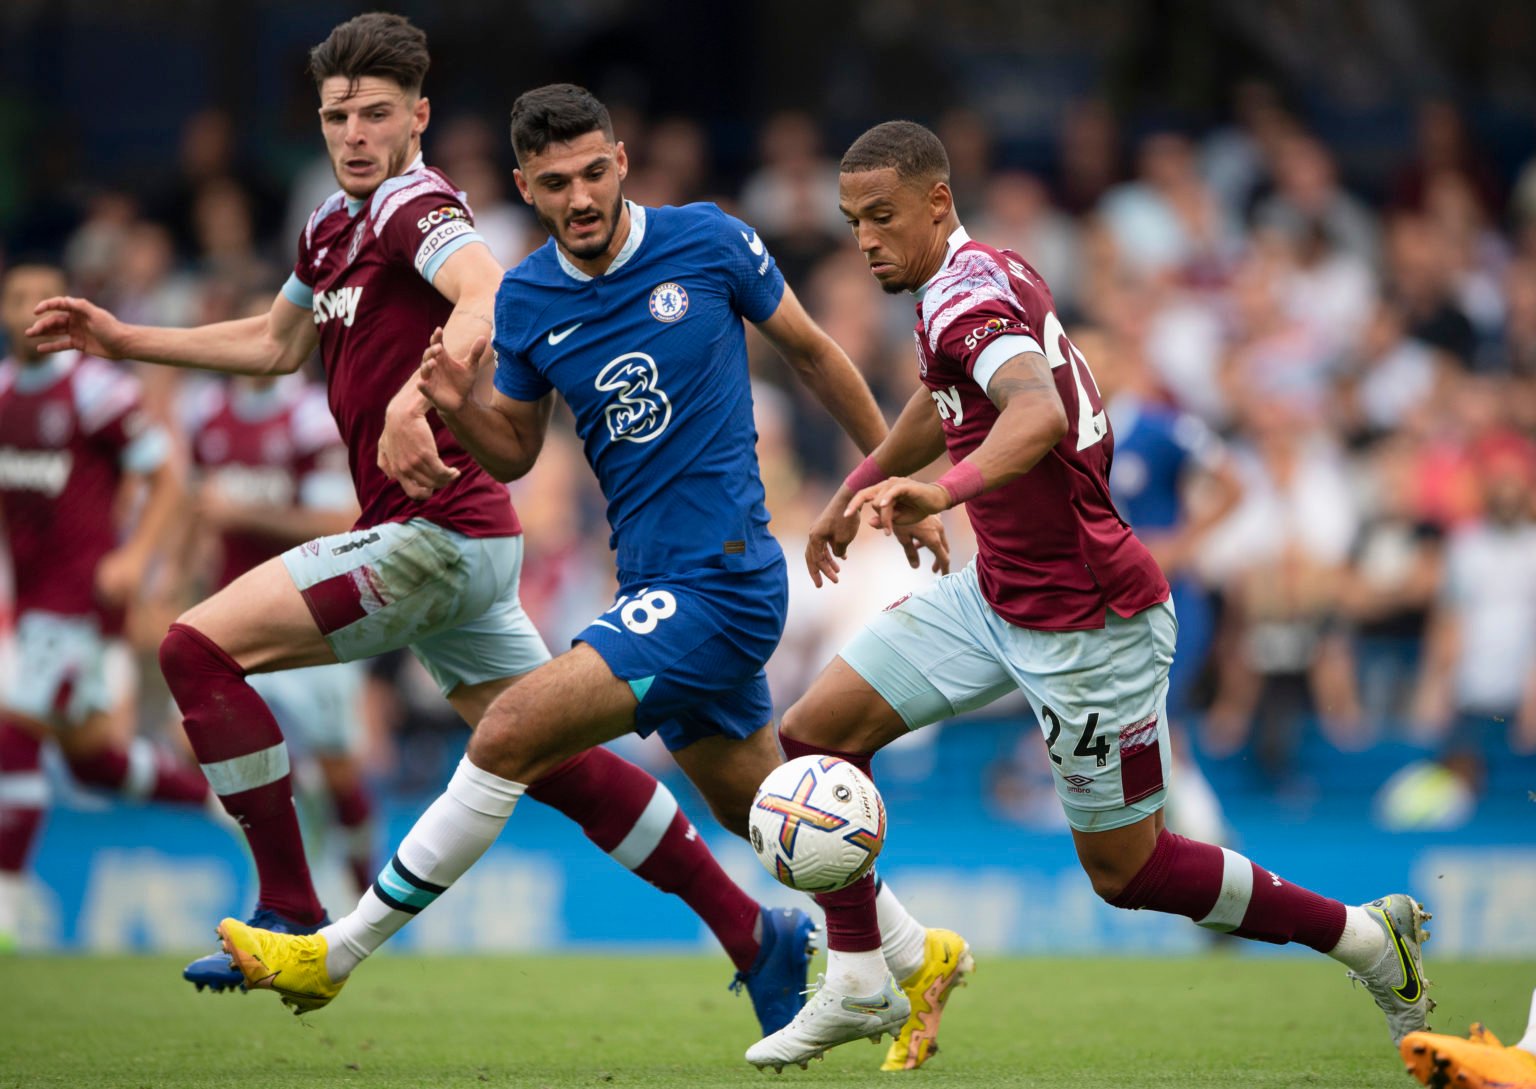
316,707
452,599
1100,696
63,670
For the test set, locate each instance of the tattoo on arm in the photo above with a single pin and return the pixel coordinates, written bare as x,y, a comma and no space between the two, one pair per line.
1026,375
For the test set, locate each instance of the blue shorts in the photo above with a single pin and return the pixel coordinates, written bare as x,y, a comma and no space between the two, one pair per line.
692,647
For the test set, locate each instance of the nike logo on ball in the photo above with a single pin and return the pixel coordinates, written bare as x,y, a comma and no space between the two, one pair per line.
556,338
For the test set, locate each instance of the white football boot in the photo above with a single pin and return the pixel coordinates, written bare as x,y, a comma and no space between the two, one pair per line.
1396,981
829,1018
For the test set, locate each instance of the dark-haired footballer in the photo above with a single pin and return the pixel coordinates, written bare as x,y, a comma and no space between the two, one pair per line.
634,316
432,563
1063,603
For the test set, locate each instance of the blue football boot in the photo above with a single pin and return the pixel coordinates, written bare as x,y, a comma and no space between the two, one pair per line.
776,980
216,972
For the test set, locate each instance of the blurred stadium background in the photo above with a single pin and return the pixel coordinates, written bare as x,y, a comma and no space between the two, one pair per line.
1310,224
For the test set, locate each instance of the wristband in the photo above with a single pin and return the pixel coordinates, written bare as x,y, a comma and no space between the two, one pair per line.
866,475
963,482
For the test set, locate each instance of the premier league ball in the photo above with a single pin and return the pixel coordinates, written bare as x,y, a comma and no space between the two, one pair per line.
817,823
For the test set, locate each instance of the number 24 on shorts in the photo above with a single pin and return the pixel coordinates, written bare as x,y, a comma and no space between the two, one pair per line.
642,612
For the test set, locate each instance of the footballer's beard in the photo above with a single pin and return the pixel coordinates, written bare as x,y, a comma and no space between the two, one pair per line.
394,166
593,247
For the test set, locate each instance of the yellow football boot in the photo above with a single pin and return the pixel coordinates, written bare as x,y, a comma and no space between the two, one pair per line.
946,962
1479,1062
293,965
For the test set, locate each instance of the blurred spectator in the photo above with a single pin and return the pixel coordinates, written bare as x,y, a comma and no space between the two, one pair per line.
1167,223
1017,214
1387,377
1238,160
968,142
225,234
1280,560
1394,575
1308,201
1517,351
672,167
1423,281
1273,356
1478,685
210,151
792,197
1087,157
1444,145
99,244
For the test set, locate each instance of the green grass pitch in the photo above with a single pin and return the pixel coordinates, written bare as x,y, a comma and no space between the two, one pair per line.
614,1021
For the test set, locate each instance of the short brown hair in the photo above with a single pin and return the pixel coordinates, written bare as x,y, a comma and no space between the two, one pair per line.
556,113
913,151
376,44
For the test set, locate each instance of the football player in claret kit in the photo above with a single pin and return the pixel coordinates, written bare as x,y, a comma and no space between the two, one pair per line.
1062,602
73,435
383,262
271,473
634,316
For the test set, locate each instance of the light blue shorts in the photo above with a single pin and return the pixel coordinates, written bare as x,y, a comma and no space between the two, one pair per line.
63,670
452,599
317,707
1099,696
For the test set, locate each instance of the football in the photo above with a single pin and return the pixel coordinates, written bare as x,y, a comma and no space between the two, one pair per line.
817,823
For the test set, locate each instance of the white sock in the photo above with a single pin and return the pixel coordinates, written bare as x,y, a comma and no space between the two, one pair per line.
902,937
1528,1041
856,974
1363,942
446,841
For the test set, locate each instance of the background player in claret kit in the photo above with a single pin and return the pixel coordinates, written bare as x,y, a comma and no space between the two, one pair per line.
271,473
383,262
634,316
73,436
1062,602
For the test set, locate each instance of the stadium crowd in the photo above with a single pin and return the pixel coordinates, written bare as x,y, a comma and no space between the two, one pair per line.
1359,376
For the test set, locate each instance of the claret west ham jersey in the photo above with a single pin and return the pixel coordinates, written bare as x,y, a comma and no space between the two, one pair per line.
70,426
365,270
1052,553
272,447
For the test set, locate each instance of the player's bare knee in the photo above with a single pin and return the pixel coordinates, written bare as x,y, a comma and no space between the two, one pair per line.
505,744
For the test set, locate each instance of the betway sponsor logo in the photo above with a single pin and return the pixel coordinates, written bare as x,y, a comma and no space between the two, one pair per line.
951,411
340,303
254,486
45,471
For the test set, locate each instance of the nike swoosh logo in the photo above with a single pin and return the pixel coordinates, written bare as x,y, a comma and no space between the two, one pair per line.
1412,987
867,1006
556,338
754,243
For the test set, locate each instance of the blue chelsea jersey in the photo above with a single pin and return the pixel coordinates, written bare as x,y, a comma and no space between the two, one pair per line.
1154,448
651,357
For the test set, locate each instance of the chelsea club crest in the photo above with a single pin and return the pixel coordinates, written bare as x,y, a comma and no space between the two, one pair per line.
668,302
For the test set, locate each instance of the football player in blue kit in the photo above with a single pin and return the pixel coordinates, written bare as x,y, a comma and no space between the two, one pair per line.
634,316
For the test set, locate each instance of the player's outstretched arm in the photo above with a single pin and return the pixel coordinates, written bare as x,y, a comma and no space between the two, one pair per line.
502,434
407,449
826,370
277,342
916,441
1030,422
